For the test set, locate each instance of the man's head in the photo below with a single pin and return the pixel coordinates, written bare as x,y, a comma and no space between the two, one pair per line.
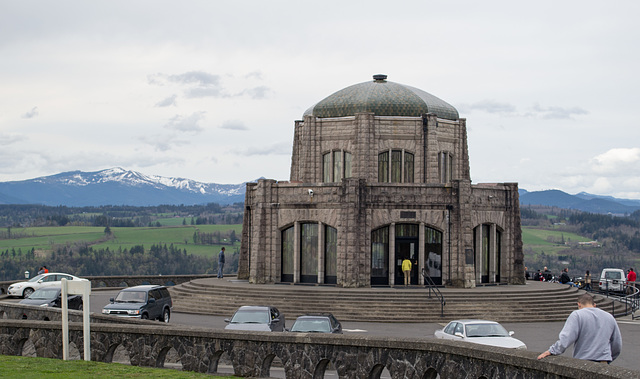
223,249
586,301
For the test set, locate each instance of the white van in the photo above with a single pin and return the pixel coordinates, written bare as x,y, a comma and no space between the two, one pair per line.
612,279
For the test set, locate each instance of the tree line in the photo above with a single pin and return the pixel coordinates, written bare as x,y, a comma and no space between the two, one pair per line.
83,260
29,215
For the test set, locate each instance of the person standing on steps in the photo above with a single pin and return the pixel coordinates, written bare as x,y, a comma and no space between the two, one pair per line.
406,269
220,263
587,281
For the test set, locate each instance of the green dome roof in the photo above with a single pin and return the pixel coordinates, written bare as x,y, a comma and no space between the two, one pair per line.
383,98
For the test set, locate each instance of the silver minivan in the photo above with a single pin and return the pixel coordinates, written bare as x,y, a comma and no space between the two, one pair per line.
612,279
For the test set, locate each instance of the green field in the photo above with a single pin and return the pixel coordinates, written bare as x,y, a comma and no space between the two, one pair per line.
45,239
544,240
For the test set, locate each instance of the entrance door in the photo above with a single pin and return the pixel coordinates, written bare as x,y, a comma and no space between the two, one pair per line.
406,248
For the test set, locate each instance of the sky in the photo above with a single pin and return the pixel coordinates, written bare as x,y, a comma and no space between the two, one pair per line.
210,90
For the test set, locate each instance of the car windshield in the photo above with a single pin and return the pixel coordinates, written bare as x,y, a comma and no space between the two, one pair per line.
36,278
486,330
311,326
44,294
251,316
131,297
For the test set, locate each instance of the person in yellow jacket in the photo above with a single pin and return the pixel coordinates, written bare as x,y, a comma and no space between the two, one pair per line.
406,269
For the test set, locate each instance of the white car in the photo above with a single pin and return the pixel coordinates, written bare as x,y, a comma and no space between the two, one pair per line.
612,279
52,279
482,332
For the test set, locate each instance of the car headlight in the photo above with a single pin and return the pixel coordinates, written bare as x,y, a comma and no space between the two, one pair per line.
105,311
134,312
44,305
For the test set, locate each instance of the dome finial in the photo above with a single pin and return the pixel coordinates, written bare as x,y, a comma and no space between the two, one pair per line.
379,77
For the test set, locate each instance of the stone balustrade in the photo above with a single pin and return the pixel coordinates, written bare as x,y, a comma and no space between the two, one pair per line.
302,355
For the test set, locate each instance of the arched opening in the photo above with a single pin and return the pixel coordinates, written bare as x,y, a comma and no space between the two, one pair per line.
224,365
272,367
118,354
123,284
74,353
379,371
169,358
431,373
325,370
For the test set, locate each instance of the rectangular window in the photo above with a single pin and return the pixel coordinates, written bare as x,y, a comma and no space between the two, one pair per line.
337,166
309,253
330,254
287,254
408,168
347,165
445,167
383,167
326,168
396,166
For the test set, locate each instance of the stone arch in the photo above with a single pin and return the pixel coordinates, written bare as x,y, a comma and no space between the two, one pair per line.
270,361
376,371
213,362
169,283
224,363
117,353
101,284
123,284
168,357
322,367
431,373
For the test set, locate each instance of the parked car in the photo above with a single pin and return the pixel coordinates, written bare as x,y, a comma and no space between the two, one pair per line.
257,318
145,302
51,297
52,279
317,323
482,332
612,279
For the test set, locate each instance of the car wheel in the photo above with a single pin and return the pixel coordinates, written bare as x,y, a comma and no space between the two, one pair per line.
27,292
144,316
166,315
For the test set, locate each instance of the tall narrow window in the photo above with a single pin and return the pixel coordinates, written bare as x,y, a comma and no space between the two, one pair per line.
326,168
287,255
408,168
380,256
330,255
347,164
309,253
445,166
337,166
396,166
383,167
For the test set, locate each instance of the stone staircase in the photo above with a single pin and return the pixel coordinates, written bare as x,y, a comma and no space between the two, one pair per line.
527,303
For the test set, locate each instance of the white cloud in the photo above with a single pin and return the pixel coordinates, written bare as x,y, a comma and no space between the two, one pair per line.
617,161
234,125
186,124
31,114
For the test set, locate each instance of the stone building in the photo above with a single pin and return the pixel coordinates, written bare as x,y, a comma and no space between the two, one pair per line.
380,172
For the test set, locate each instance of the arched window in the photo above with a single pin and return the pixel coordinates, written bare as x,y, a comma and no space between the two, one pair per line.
336,165
395,166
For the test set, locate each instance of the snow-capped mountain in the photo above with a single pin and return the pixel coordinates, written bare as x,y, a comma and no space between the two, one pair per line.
116,186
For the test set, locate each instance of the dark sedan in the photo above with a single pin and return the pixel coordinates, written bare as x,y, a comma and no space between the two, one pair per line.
317,323
51,297
257,318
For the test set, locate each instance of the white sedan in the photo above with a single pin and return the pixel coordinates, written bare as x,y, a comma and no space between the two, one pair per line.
52,279
481,332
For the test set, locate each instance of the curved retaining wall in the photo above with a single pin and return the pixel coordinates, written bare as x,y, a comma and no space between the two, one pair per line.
302,355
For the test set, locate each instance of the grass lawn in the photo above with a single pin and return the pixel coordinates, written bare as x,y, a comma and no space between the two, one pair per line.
47,238
538,239
27,367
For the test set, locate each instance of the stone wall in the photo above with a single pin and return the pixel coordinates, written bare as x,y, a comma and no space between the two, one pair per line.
302,355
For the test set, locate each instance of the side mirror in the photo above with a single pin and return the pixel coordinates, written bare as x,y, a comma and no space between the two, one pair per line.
152,301
275,320
511,333
458,334
227,320
112,300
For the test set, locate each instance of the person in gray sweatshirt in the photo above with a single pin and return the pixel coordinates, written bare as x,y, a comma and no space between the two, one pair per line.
594,332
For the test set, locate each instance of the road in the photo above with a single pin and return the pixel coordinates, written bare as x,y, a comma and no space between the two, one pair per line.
538,336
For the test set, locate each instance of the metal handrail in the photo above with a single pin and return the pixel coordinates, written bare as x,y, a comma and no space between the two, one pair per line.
631,300
431,285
